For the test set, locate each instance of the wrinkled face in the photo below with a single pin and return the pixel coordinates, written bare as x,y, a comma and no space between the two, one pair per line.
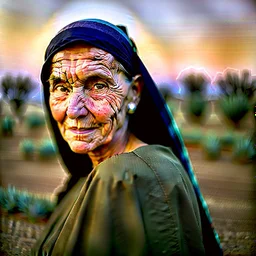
89,94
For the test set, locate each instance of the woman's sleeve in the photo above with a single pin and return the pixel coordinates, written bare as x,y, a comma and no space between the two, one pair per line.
170,210
125,207
100,216
112,223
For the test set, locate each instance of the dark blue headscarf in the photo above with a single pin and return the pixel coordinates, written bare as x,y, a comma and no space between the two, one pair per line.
152,122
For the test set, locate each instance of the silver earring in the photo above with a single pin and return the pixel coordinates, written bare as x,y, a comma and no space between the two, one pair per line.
131,107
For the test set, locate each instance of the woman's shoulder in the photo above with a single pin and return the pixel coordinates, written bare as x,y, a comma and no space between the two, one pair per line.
149,161
156,153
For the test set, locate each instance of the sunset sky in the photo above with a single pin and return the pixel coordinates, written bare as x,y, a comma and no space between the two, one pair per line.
170,35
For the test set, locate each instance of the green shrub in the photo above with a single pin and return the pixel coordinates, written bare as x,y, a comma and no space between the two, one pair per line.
16,91
2,195
39,208
33,206
234,107
27,148
244,150
231,82
8,199
7,125
46,149
24,199
195,108
34,120
194,137
196,105
227,140
212,147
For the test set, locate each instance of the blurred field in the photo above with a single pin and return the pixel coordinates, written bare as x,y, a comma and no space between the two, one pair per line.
229,188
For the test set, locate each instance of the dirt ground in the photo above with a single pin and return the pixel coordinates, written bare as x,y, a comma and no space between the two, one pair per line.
229,188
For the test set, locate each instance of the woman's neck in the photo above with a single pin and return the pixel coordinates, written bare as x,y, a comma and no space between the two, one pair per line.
127,143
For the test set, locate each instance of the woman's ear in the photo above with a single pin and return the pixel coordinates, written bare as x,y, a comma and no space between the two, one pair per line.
137,86
134,93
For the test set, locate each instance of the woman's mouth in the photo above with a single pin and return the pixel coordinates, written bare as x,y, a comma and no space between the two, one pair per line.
81,130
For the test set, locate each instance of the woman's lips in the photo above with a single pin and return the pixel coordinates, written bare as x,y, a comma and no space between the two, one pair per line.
81,130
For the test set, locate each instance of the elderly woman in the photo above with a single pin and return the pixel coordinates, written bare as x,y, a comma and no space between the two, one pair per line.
131,189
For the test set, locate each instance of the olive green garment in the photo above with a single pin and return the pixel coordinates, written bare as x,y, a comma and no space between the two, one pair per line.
133,204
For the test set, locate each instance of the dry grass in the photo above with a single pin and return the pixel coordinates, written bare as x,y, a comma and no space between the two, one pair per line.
228,188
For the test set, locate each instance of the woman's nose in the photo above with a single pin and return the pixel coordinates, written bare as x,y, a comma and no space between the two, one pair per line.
76,106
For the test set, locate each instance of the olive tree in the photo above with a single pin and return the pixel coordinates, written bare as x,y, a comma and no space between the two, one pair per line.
16,90
237,93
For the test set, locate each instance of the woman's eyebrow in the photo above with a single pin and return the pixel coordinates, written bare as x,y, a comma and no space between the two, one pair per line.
55,79
85,78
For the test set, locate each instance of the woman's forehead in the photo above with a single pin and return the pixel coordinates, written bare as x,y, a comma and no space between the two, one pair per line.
81,51
81,56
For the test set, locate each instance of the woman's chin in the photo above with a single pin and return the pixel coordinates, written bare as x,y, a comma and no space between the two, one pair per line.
81,147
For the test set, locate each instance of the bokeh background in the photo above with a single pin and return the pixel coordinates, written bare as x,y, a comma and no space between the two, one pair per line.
201,54
171,35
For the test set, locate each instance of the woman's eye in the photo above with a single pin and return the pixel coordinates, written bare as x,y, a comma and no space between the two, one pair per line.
99,86
61,88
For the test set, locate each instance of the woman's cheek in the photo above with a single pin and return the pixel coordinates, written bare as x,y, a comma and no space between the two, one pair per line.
104,114
108,112
58,110
100,109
